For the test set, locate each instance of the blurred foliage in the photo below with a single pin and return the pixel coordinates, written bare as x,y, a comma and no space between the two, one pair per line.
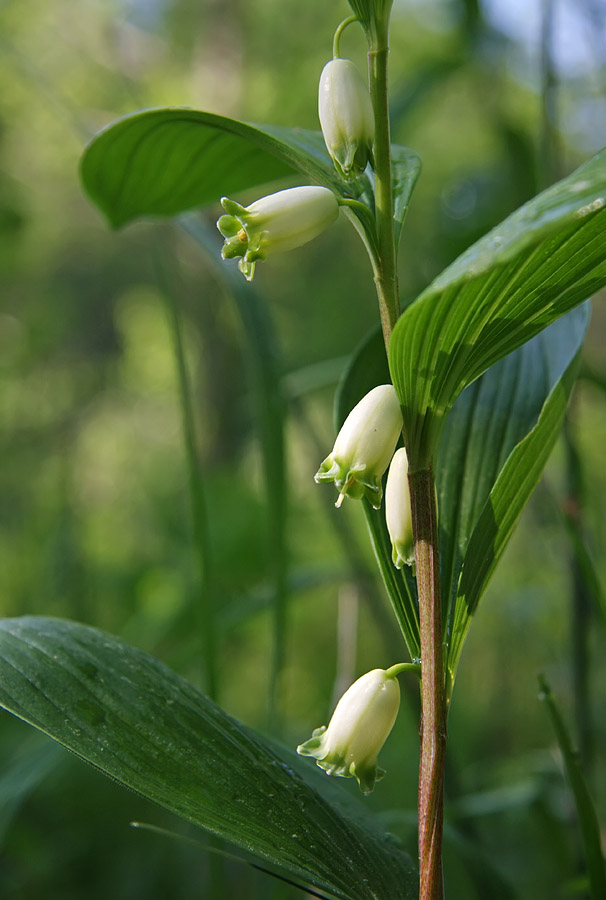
95,520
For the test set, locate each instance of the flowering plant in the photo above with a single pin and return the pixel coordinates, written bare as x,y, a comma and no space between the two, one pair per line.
443,374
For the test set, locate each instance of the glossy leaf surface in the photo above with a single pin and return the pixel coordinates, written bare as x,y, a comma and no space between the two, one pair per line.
539,263
131,717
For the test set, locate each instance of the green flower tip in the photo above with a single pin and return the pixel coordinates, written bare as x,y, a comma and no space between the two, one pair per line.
359,727
364,447
274,224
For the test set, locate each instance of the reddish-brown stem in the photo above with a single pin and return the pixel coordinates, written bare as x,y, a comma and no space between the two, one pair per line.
423,500
433,695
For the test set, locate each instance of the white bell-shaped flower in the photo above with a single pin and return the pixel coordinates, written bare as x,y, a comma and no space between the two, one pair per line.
364,446
346,117
359,727
273,224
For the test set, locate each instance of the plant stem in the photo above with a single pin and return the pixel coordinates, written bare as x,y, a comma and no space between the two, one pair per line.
386,275
423,502
433,695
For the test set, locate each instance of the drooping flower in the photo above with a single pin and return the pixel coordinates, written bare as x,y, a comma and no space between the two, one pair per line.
398,514
359,727
346,117
364,446
273,224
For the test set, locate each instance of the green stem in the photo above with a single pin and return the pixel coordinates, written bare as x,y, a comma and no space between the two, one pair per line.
433,694
386,276
403,667
336,50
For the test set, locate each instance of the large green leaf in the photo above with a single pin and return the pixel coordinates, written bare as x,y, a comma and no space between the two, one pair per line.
494,446
131,717
161,162
540,262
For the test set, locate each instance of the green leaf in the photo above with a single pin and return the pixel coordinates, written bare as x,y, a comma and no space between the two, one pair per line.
161,162
127,714
405,170
495,446
367,369
588,820
373,14
539,263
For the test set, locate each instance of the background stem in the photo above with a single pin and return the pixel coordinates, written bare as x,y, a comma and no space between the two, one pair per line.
580,605
552,167
205,613
205,610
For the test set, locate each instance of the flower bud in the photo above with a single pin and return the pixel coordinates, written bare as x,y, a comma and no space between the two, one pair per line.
346,117
364,446
397,510
359,727
276,223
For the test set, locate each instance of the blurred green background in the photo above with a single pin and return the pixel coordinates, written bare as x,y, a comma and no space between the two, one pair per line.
499,99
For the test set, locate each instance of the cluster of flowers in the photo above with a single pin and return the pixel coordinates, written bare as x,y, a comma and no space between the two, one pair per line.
363,449
362,452
366,444
288,219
